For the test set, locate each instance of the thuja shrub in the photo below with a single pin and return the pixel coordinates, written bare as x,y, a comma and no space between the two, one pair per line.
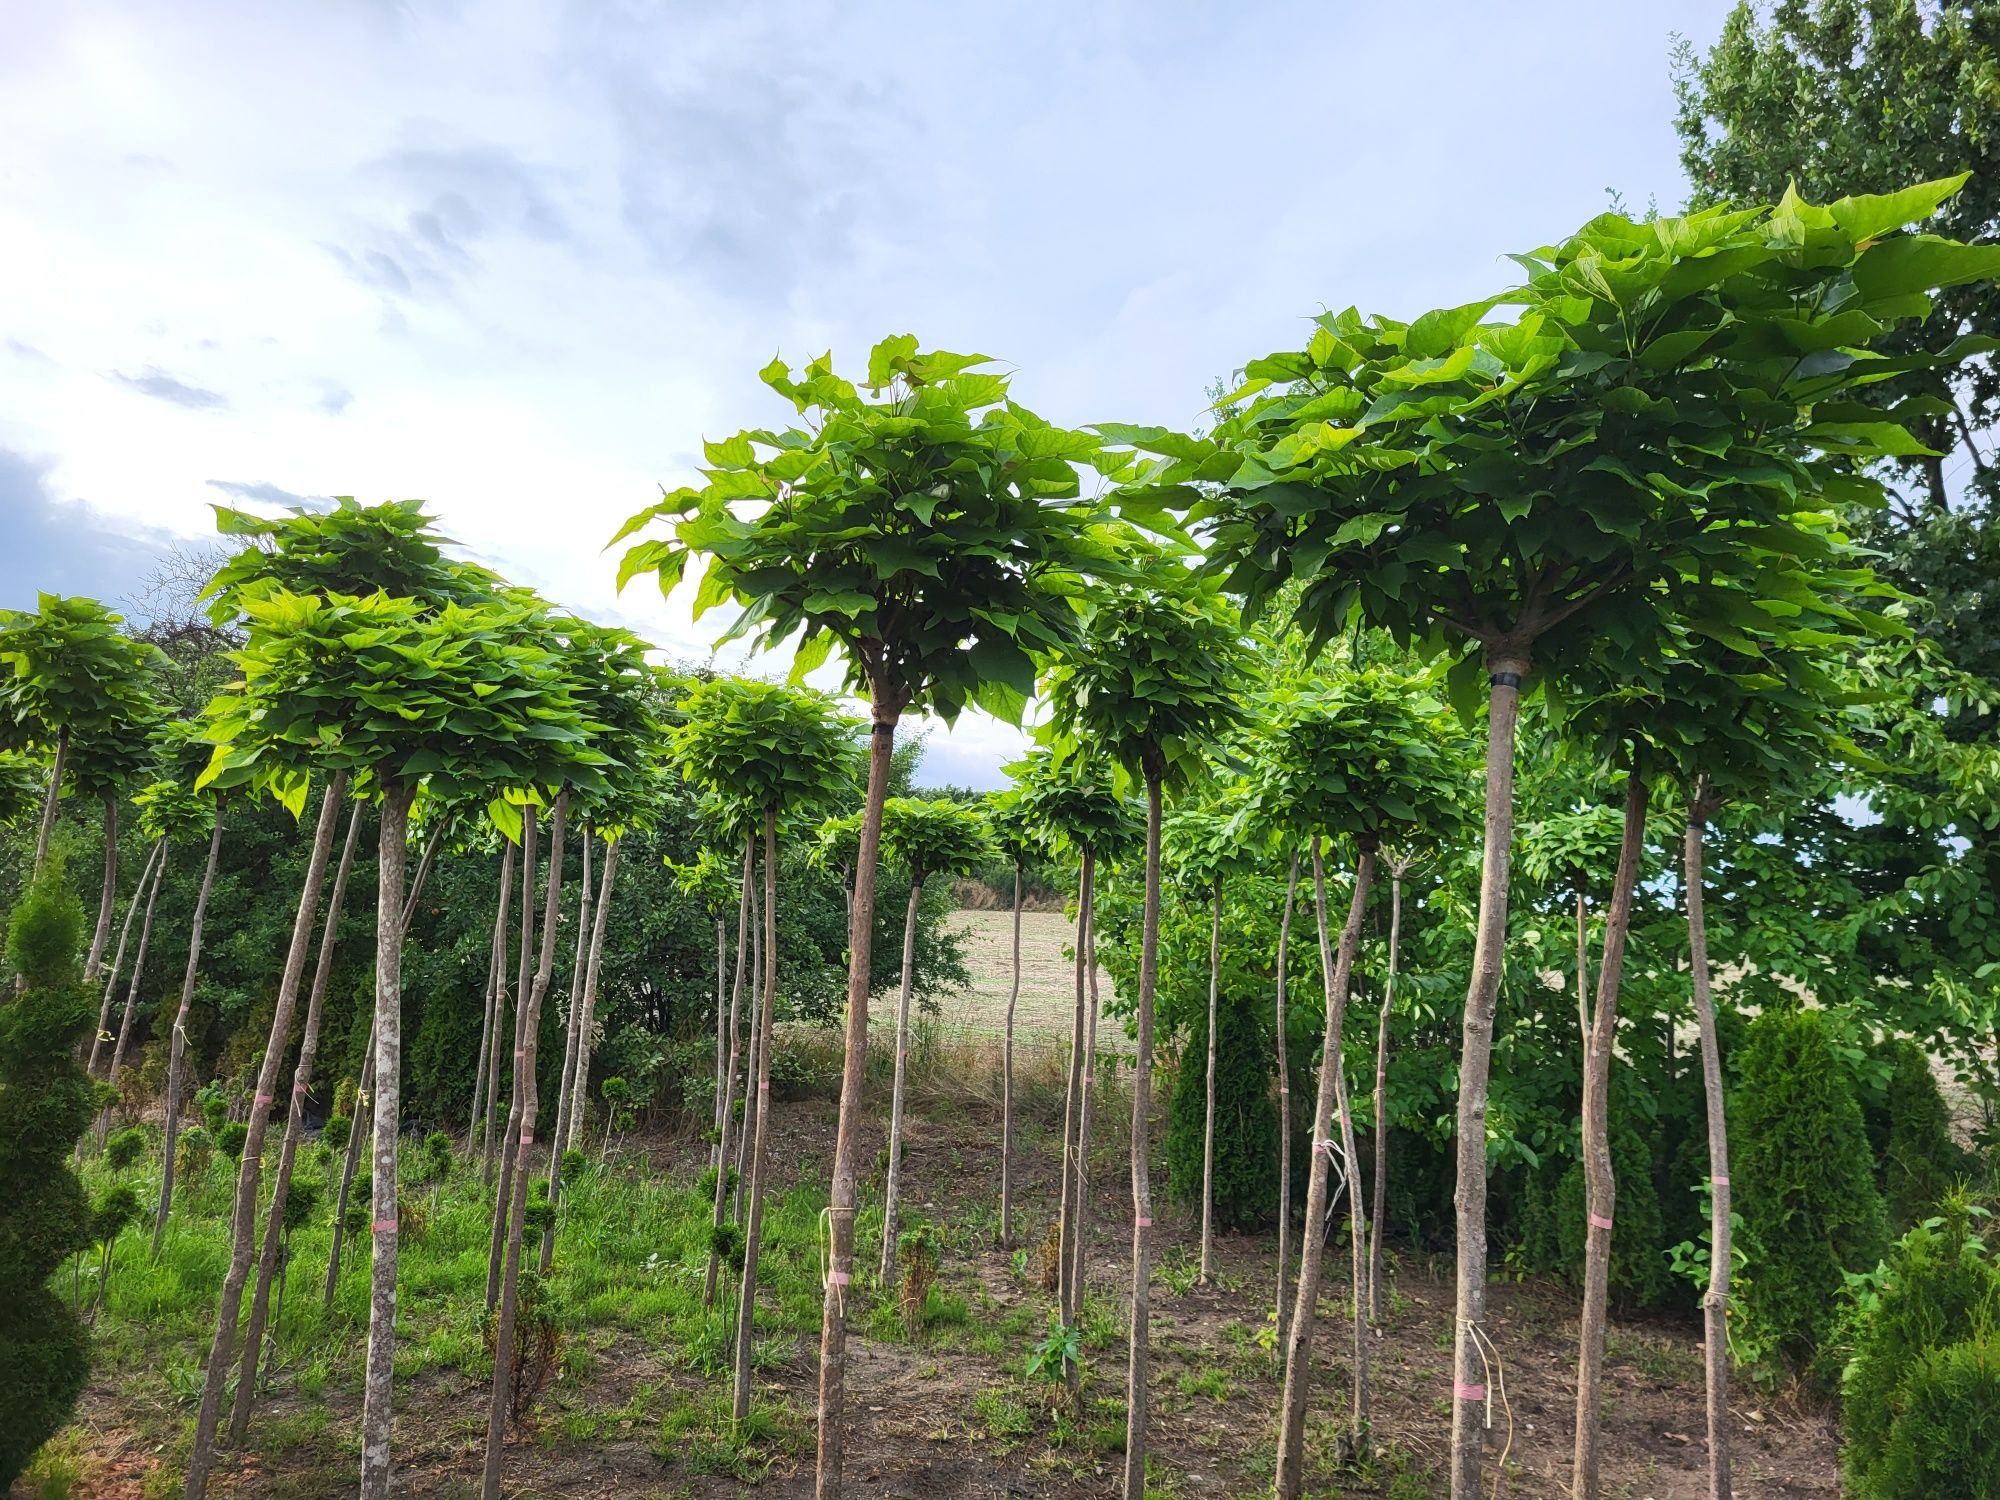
1936,1286
1553,1226
45,1103
1803,1179
1920,1161
1246,1117
1945,1439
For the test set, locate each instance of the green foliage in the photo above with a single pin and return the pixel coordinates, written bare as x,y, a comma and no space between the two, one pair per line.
939,837
758,745
45,1103
434,1159
934,534
302,1201
1553,1228
1936,1286
211,1100
1059,1348
1803,1179
230,1137
1246,1114
1946,1438
1076,804
115,1208
124,1147
69,669
352,549
1156,679
174,811
193,1153
22,780
1920,1161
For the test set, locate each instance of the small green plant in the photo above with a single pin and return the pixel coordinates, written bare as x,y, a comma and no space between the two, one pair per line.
1059,1348
192,1156
1006,1417
1177,1271
1019,1264
538,1345
336,1130
917,1251
211,1102
433,1161
229,1138
116,1207
124,1147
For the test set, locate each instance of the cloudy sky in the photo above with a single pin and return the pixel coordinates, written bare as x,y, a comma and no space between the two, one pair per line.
518,258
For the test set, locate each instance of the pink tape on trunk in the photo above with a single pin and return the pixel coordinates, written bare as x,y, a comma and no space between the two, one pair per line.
385,1226
1720,1181
527,1140
520,1051
298,1090
263,1099
1142,1223
1598,1221
763,1085
838,1278
1469,1392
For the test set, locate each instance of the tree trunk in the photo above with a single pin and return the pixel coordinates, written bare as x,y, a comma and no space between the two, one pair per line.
722,1062
489,1029
1599,1183
118,960
510,1291
1140,1349
895,1177
49,802
1007,1082
132,990
1337,973
1208,1111
490,1105
750,1063
1714,1306
509,1142
1079,1282
108,896
250,1165
177,1047
840,1208
356,1127
1072,1106
1398,868
579,1091
1284,1311
577,963
727,1098
276,1241
595,958
378,1394
753,1219
1469,1413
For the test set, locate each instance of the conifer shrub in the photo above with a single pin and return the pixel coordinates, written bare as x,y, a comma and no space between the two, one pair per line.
124,1147
1936,1286
1945,1439
192,1155
1804,1182
45,1103
230,1137
1246,1117
1552,1222
1920,1161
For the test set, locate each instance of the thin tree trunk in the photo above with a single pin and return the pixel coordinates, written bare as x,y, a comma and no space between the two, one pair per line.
1506,670
132,990
1284,1310
49,802
1398,868
118,960
1714,1306
509,1143
1208,1111
577,963
1337,972
276,1242
840,1208
1072,1104
1078,1281
1007,1082
108,896
722,1062
390,921
357,1126
727,1098
250,1164
592,962
489,1106
1600,1184
1138,1362
510,1291
750,1063
496,987
177,1047
753,1220
895,1178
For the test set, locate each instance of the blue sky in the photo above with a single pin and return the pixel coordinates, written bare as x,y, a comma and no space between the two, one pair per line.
519,258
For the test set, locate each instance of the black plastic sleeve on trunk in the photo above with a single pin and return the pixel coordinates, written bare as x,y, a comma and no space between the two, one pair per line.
1505,679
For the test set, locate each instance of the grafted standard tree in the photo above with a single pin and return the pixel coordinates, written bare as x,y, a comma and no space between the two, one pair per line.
926,838
1154,681
1517,495
934,534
